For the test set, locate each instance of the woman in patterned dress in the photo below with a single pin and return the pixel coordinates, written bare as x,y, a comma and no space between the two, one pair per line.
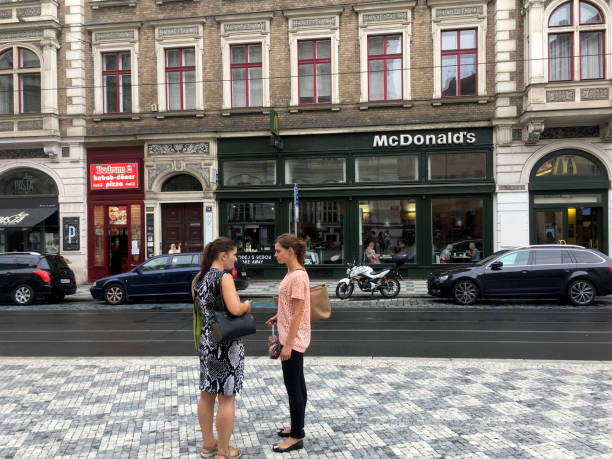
221,365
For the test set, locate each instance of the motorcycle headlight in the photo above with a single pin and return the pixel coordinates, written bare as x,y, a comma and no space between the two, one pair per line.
443,278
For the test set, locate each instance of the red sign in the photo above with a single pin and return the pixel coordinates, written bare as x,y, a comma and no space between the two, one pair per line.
113,176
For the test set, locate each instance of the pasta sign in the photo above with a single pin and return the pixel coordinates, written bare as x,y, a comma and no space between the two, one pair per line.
114,176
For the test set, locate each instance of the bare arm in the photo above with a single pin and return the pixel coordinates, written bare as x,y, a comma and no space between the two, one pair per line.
230,296
297,306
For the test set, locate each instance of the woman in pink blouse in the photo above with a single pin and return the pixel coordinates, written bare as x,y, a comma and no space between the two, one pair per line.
293,321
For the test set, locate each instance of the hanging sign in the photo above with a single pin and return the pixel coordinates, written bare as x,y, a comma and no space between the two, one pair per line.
71,234
122,176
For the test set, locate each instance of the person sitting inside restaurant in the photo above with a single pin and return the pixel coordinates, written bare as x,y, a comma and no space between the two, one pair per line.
371,255
445,255
473,253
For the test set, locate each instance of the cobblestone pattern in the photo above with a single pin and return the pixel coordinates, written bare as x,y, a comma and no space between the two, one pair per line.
146,408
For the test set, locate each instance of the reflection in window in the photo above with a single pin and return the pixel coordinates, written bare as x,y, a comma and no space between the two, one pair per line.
386,168
459,71
568,165
516,258
315,170
252,225
457,225
457,166
391,225
321,226
156,264
239,173
182,182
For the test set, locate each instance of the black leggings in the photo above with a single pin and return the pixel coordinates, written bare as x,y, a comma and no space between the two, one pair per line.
293,375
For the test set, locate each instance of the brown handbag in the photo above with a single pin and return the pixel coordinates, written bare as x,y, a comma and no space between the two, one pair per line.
320,307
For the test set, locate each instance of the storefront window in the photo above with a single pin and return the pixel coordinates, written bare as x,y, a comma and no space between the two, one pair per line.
251,225
457,225
321,226
315,170
182,182
99,234
136,222
391,225
386,168
447,166
239,173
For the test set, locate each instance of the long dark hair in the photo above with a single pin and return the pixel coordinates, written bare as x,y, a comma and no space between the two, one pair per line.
289,241
211,252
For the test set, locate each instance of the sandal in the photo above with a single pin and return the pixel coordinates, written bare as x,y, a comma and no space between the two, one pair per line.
228,455
211,451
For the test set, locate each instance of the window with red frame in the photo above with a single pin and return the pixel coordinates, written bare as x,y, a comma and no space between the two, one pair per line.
247,88
385,67
314,70
24,73
117,80
180,79
565,32
459,63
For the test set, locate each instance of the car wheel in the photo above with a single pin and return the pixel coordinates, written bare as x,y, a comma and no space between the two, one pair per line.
114,294
581,292
392,289
465,292
23,295
343,291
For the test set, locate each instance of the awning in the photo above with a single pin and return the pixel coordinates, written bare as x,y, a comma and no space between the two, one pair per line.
25,217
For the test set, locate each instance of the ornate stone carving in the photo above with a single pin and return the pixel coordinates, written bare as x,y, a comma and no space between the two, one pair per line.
594,93
511,187
561,95
21,154
30,125
246,26
155,171
203,173
380,17
17,34
570,132
118,35
606,134
202,148
532,132
186,30
28,12
313,22
461,11
6,126
6,14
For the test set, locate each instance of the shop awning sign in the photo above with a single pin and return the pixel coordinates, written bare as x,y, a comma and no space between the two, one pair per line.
24,218
122,176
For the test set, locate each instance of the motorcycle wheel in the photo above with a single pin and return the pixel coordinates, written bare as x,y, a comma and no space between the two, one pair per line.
343,291
391,290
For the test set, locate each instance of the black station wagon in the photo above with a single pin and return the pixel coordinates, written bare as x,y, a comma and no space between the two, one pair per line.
569,272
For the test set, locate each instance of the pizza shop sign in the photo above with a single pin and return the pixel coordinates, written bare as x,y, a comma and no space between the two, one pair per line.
114,176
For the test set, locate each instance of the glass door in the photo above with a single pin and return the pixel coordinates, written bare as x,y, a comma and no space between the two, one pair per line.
550,227
570,225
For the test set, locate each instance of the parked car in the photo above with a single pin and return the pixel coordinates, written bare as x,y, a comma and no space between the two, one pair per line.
570,272
29,276
168,276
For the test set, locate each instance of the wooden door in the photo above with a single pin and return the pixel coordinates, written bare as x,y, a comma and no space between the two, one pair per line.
182,223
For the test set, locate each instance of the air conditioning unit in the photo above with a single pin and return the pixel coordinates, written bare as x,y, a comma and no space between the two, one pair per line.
153,107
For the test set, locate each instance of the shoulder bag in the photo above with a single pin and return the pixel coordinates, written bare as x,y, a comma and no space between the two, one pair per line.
228,327
320,307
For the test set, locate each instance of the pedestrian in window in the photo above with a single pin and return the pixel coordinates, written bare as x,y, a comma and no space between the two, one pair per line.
371,255
174,248
473,253
293,321
446,254
222,364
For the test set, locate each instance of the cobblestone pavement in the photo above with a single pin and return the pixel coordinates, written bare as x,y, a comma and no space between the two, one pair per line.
426,408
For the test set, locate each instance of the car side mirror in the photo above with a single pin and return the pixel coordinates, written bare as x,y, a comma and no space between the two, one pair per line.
496,265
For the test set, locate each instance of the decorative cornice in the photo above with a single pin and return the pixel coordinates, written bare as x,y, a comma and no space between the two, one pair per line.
532,132
384,6
245,17
17,34
178,30
313,12
114,35
156,149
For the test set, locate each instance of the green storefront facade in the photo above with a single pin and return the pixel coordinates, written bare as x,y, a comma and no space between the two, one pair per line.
426,193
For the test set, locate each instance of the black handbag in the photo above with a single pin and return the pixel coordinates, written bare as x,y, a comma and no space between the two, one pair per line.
226,326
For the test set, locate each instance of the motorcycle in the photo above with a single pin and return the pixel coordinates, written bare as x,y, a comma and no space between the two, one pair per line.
368,280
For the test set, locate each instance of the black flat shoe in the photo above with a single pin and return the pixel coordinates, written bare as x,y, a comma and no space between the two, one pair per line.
295,446
282,434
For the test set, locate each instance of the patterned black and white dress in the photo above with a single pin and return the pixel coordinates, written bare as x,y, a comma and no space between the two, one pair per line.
221,365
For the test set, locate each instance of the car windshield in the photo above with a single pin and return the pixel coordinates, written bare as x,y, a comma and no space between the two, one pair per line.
484,261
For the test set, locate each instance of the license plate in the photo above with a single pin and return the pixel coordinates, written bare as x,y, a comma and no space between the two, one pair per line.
64,281
243,274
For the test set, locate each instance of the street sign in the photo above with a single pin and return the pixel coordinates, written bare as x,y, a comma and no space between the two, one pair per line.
275,139
296,207
296,195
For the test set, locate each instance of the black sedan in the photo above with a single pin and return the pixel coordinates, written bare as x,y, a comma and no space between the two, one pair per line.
562,271
167,276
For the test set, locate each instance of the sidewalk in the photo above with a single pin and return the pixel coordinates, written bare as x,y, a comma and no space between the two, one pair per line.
362,408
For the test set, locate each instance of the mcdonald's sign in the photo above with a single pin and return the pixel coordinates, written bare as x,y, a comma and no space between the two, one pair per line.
565,165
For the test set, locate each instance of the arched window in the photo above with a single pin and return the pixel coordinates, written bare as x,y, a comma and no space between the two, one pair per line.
576,28
182,182
19,81
567,169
